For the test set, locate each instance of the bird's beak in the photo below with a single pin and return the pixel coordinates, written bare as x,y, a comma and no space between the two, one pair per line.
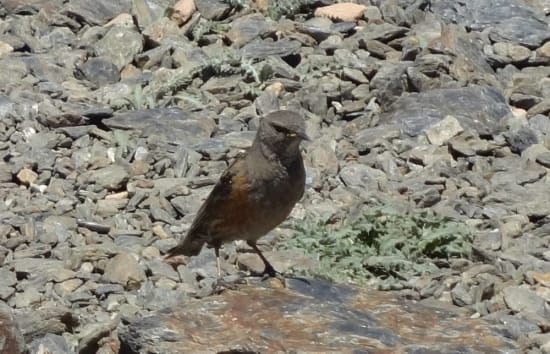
302,135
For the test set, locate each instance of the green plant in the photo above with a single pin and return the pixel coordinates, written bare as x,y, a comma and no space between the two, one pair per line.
286,8
383,246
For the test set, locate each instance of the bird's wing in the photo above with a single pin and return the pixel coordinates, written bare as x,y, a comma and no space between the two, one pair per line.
225,206
230,192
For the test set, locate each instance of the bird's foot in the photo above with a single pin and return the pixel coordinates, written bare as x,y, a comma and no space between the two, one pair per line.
270,273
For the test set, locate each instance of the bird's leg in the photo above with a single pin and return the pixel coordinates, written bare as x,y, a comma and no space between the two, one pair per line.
217,250
222,284
269,270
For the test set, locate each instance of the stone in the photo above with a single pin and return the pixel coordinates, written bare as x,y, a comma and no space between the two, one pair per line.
544,159
528,32
212,9
5,48
27,298
344,11
516,53
521,139
99,12
416,112
100,71
515,327
173,124
480,15
441,132
323,157
262,49
109,46
363,177
183,10
124,269
112,177
521,299
27,176
7,278
247,28
312,308
68,286
50,343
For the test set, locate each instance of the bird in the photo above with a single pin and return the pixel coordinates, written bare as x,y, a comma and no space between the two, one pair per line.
256,192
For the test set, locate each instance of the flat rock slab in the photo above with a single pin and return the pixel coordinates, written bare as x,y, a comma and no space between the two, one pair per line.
313,316
171,123
476,108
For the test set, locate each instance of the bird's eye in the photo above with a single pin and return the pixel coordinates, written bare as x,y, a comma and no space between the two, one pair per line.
281,130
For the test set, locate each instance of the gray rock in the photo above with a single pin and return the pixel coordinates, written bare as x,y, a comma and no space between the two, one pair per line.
6,292
544,159
159,269
173,124
389,83
112,177
479,15
92,333
124,269
35,265
247,28
529,32
155,298
383,32
521,139
521,299
99,12
37,323
362,176
212,9
416,112
515,326
109,46
7,278
261,49
51,342
27,298
100,71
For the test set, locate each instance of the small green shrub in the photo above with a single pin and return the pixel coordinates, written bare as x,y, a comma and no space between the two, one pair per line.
382,246
286,8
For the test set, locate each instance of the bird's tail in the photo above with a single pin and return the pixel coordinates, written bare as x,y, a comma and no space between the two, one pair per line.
191,246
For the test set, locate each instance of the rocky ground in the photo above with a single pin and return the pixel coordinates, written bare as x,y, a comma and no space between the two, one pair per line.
116,118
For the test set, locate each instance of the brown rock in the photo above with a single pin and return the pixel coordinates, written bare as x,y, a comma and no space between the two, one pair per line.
262,5
123,20
5,48
544,50
542,278
310,316
139,168
27,176
344,11
183,10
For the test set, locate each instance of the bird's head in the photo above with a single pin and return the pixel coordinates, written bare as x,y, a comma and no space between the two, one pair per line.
281,132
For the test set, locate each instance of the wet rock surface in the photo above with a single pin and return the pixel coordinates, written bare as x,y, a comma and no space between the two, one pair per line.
117,118
311,316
